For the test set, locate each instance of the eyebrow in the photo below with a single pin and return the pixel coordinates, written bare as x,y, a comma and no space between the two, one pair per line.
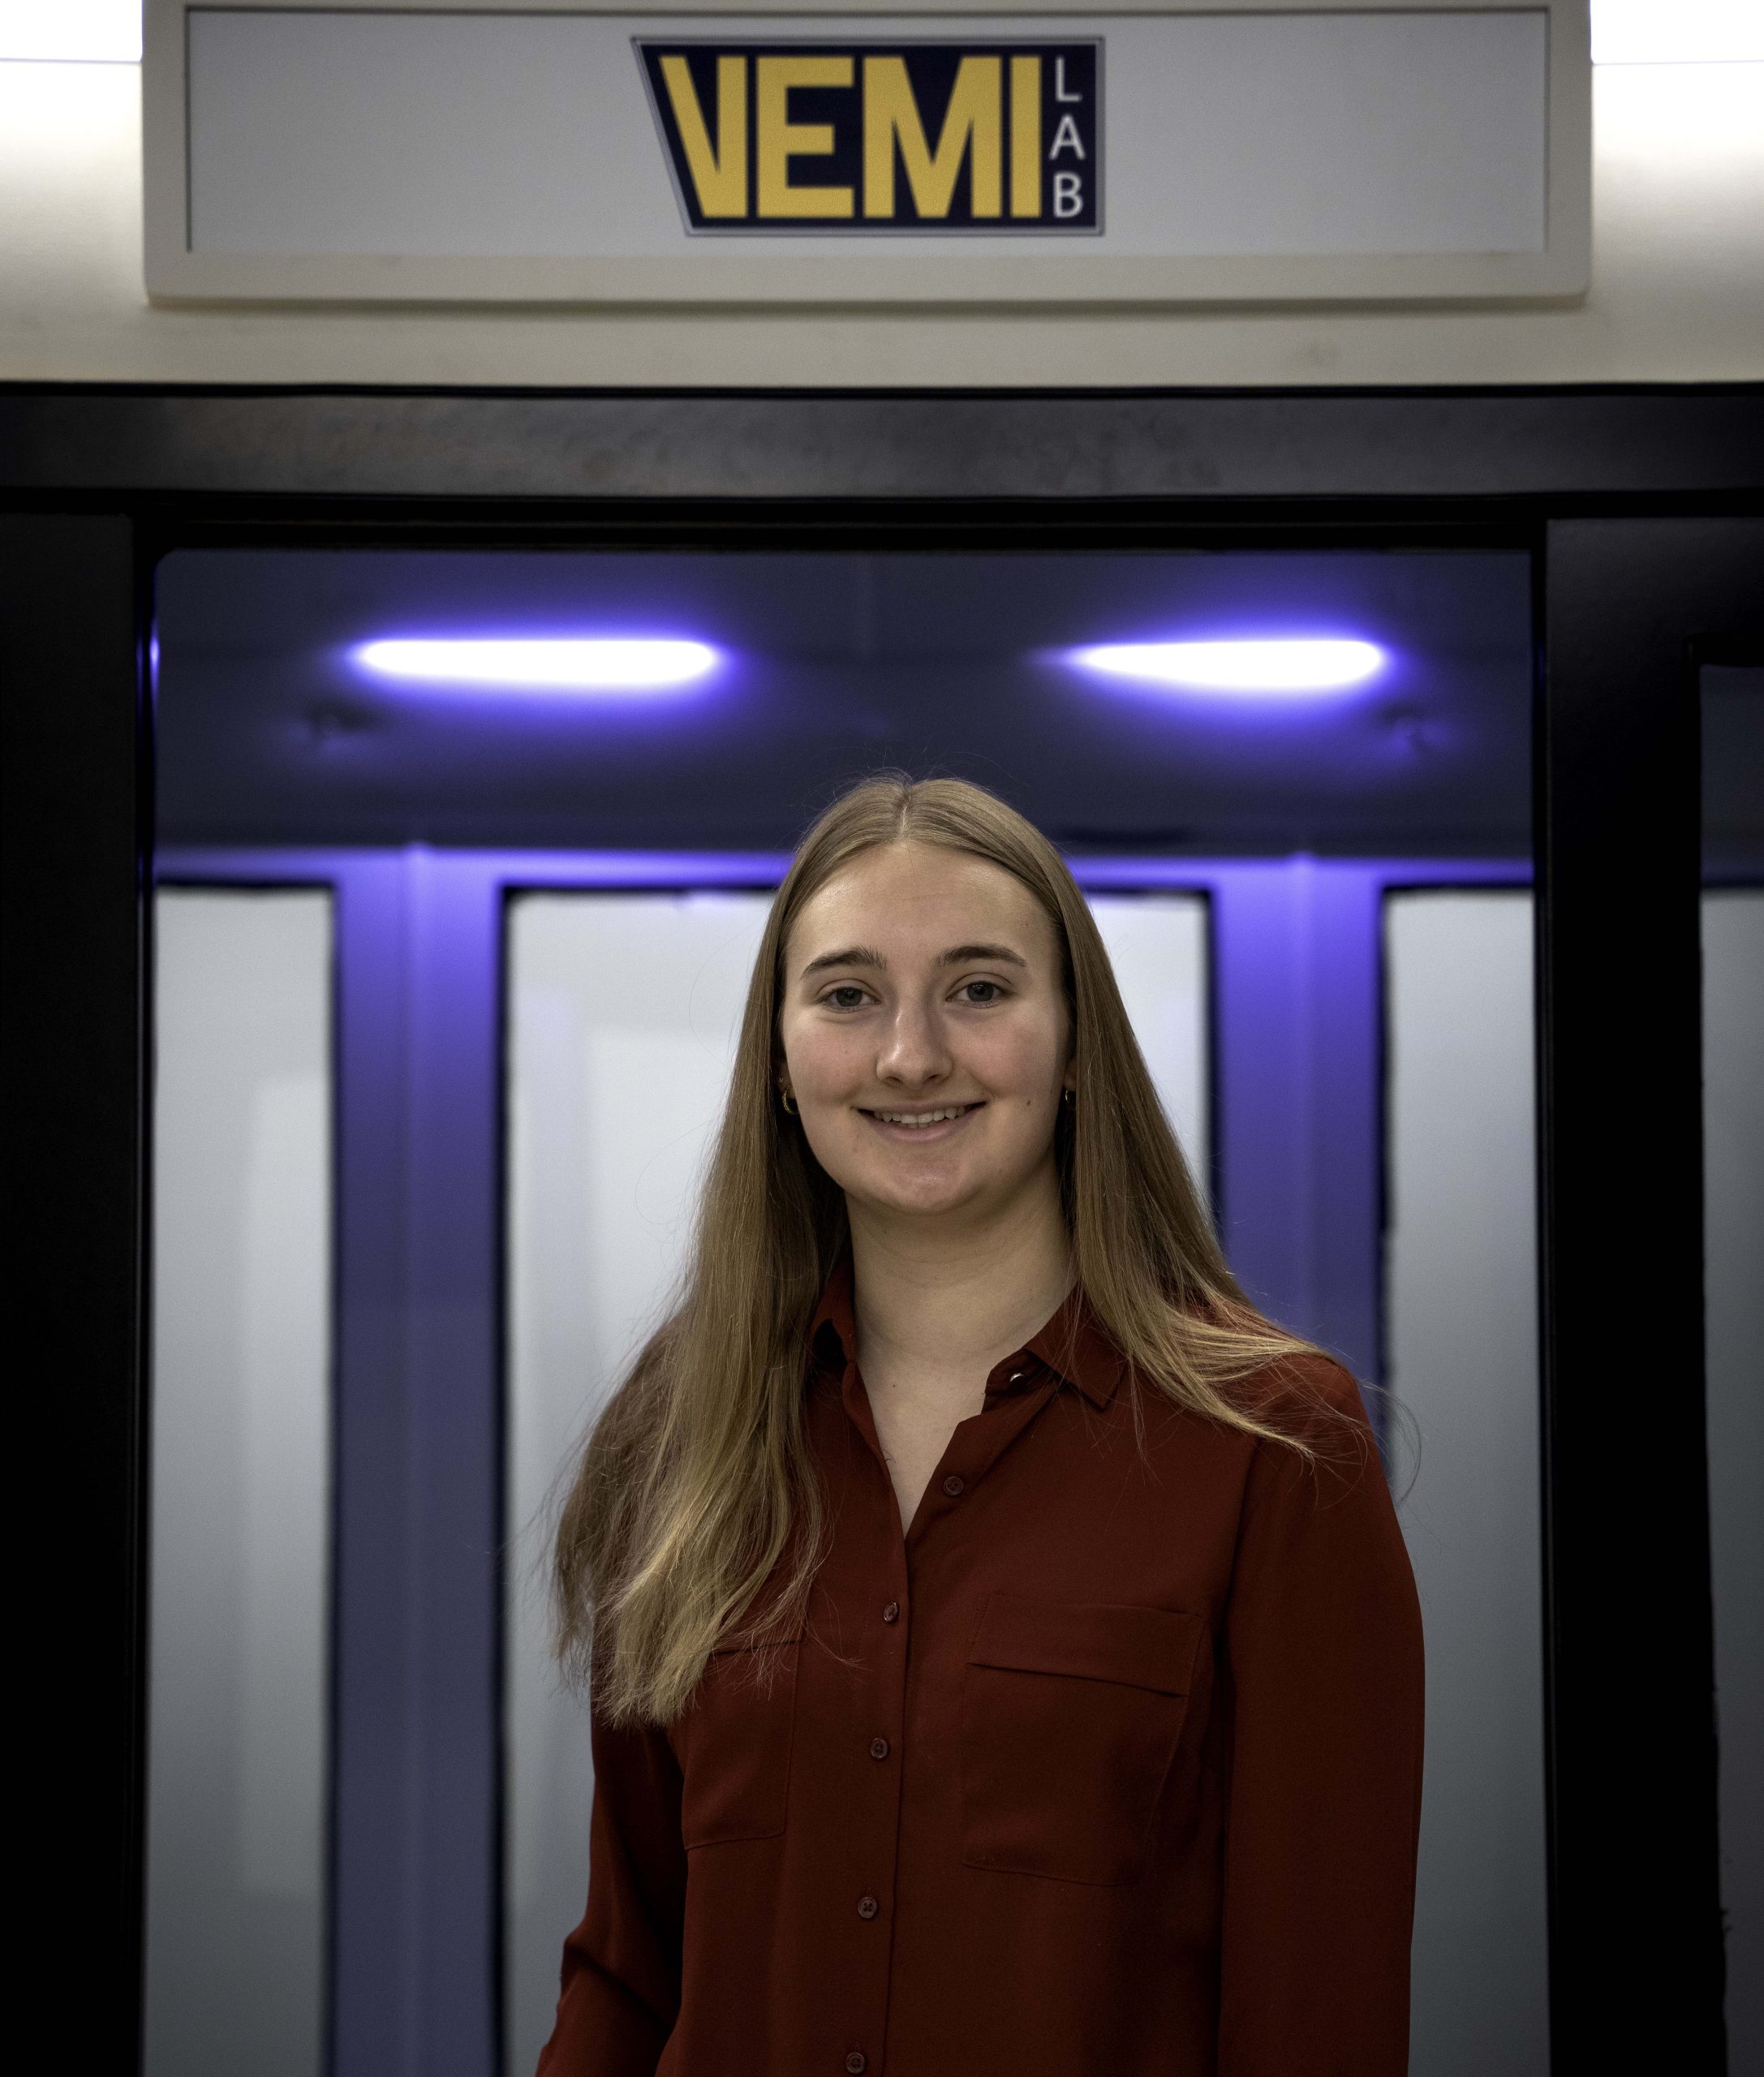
855,955
958,955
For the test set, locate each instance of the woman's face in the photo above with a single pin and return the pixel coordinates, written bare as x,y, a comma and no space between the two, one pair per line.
925,1032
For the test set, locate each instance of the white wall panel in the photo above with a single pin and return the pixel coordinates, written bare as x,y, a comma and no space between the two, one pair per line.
1461,1328
241,1492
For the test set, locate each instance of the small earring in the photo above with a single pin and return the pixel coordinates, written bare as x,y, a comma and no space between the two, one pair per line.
783,1098
1069,1095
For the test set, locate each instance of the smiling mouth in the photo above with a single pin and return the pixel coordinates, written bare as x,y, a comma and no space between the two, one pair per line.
918,1120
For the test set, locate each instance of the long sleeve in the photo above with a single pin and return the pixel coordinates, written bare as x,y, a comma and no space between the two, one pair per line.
1323,1660
621,1981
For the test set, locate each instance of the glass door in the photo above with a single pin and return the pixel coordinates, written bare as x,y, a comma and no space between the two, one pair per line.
462,857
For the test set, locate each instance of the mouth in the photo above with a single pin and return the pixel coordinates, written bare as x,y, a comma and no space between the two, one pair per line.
919,1125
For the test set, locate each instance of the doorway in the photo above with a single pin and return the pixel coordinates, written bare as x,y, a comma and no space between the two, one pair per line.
451,947
1631,508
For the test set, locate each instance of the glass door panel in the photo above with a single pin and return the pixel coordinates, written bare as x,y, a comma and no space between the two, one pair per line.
622,1012
1158,946
237,1769
1461,1356
1733,1308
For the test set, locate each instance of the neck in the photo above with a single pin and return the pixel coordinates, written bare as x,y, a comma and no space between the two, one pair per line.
947,1301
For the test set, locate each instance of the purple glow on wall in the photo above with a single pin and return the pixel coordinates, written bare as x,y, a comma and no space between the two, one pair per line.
579,663
1264,666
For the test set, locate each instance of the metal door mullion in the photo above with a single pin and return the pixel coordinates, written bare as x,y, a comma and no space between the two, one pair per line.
1636,1940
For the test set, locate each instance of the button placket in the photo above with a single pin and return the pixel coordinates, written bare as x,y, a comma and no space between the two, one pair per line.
877,1550
888,1699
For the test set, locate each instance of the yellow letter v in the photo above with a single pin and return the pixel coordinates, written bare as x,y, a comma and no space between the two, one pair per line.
720,177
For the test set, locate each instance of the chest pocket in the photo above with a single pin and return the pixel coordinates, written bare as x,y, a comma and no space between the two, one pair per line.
733,1740
1070,1717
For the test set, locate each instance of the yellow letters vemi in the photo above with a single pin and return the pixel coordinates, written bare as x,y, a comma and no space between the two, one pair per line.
973,121
720,177
1026,136
779,140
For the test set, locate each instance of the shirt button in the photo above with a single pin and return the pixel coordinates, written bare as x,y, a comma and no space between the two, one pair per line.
892,1613
879,1748
952,1485
856,2063
867,1907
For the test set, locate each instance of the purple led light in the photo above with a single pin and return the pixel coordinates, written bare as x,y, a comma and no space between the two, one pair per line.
1252,667
583,664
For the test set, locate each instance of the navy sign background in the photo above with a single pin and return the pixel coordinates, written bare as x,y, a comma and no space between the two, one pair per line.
854,138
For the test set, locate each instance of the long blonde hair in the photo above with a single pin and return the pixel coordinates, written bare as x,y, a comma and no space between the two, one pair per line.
695,1487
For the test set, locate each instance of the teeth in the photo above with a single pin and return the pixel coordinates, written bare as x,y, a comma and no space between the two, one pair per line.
919,1117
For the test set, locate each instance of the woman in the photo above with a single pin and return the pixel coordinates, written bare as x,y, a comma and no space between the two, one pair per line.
1004,1658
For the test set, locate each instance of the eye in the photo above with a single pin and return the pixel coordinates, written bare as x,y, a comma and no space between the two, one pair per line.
981,993
847,995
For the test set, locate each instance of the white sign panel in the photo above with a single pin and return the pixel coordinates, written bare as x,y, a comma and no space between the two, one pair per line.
581,153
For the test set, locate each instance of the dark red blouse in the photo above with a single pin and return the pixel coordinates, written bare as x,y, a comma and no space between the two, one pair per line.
1111,1768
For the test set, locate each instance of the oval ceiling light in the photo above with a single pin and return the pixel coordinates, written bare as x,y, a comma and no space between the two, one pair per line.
579,663
1270,665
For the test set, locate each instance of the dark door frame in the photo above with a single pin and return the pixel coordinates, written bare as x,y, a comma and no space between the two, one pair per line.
1641,507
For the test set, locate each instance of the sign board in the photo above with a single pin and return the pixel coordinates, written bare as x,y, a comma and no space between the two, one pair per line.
1214,152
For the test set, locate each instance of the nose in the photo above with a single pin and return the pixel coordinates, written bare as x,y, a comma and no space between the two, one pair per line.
913,1052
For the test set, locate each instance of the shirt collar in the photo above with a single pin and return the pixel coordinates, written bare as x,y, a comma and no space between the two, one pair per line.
1072,1344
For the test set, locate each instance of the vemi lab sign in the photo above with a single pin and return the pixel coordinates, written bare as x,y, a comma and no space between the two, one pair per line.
921,136
721,152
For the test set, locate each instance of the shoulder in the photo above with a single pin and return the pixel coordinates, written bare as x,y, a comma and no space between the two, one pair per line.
1296,1436
1321,1439
1319,1381
1307,1395
1317,1528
